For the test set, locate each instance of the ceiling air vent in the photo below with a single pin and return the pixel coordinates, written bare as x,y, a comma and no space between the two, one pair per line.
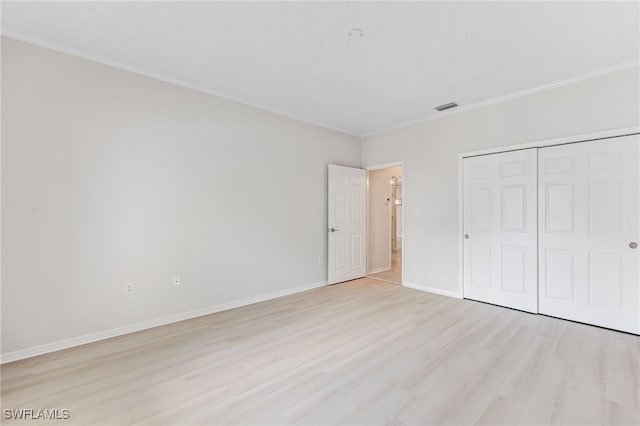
447,106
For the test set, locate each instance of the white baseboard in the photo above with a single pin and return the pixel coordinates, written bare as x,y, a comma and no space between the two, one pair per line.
131,328
448,293
375,271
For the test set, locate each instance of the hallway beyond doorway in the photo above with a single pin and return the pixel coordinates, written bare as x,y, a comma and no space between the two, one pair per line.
393,275
384,223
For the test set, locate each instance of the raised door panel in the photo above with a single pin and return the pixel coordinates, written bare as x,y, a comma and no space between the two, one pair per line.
604,207
605,280
513,209
481,265
340,253
514,269
559,274
480,209
559,204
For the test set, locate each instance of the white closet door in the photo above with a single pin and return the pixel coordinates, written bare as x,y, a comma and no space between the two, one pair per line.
500,251
589,222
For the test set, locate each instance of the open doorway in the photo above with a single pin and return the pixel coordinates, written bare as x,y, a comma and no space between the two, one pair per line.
385,224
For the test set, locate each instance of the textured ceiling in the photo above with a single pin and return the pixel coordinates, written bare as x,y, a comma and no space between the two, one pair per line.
297,58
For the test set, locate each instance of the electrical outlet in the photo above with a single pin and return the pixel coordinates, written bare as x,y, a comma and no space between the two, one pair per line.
418,212
176,281
128,288
434,262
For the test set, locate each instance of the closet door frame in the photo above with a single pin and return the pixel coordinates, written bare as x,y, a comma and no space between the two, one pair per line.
585,137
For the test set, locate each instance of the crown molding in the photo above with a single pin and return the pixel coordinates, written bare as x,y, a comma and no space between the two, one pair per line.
495,100
164,78
448,113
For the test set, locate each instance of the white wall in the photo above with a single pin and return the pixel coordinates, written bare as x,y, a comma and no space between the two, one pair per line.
429,151
109,177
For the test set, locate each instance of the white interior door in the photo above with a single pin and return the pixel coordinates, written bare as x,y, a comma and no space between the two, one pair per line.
500,225
347,224
589,222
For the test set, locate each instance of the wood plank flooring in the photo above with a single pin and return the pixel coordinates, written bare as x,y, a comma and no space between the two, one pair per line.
364,352
394,274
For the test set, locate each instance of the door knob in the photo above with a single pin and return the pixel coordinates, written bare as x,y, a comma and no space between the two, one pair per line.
333,229
633,245
466,236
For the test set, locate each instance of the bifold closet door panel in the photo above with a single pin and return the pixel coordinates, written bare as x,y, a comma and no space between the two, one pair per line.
500,226
589,220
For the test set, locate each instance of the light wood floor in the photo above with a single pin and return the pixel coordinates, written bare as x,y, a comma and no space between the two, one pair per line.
364,352
394,274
